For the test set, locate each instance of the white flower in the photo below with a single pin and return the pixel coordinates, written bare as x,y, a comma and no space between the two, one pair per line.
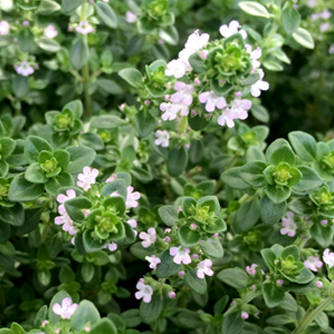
313,263
63,198
24,69
66,309
153,260
65,220
312,3
259,85
212,101
331,49
133,224
254,55
176,68
180,255
130,17
87,178
4,28
50,31
324,27
183,95
162,138
239,108
231,29
328,258
149,238
84,28
289,226
145,292
196,41
112,246
204,268
131,198
326,14
170,111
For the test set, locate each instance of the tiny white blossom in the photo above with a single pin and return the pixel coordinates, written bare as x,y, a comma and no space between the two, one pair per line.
260,85
328,258
4,27
313,263
149,238
145,292
212,101
66,309
204,268
131,198
50,31
130,17
24,69
180,255
87,178
289,226
84,28
162,138
153,260
231,29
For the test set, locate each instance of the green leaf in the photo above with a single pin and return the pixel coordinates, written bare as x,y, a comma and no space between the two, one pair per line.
81,156
278,194
110,86
304,144
33,146
232,178
213,247
131,318
106,14
167,267
104,326
270,212
32,218
62,180
254,8
106,122
252,173
233,323
260,113
282,154
75,207
292,250
272,294
16,328
75,107
71,5
188,237
198,123
322,234
13,216
150,312
48,7
91,245
304,38
169,34
86,312
198,285
34,174
145,123
132,76
269,258
177,161
48,44
168,215
234,277
189,319
197,63
272,65
290,19
87,271
79,54
20,86
309,181
25,39
247,215
21,190
187,204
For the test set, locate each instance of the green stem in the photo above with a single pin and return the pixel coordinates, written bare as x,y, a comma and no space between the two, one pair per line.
271,35
183,125
247,298
85,69
309,317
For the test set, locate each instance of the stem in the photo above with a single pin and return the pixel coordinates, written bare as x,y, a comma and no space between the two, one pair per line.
183,125
271,35
247,298
309,317
85,69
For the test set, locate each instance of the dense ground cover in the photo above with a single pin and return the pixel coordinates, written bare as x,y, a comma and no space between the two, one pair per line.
166,166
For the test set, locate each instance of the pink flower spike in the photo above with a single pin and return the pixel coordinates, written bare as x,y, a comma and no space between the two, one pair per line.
204,268
145,292
66,309
149,238
132,198
180,255
313,263
153,260
87,178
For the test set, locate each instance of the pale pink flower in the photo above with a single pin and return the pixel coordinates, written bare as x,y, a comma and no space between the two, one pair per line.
65,220
260,85
313,263
326,14
204,268
171,294
312,3
153,260
145,292
196,41
231,29
162,138
45,322
87,178
50,31
61,198
24,69
170,111
324,27
149,238
112,246
130,17
251,269
111,178
331,49
176,68
84,28
133,224
319,284
254,55
239,108
66,310
212,101
183,95
4,28
328,258
131,198
180,255
244,315
226,118
289,226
